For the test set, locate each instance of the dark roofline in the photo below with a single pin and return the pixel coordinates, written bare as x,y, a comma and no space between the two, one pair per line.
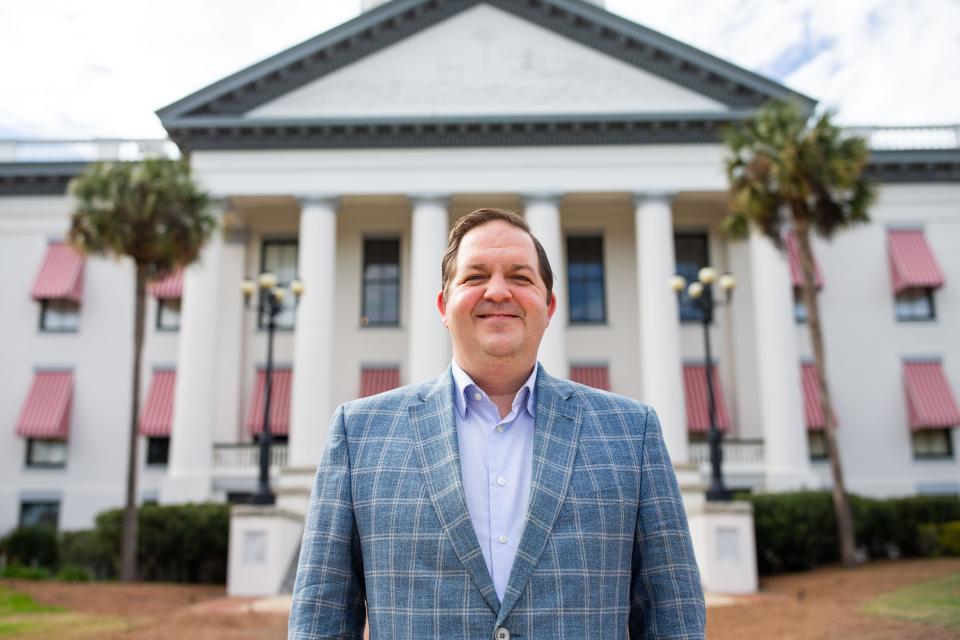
38,178
890,167
389,23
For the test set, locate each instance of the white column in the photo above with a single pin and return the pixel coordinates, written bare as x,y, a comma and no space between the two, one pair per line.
660,359
787,461
312,393
542,212
188,476
429,352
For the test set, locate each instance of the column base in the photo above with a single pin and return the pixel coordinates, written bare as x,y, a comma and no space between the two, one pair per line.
723,541
780,480
264,545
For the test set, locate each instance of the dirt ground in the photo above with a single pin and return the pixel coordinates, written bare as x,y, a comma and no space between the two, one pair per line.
828,603
822,604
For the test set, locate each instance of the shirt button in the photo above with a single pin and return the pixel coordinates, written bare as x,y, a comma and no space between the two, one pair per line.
501,634
501,481
500,428
477,396
502,539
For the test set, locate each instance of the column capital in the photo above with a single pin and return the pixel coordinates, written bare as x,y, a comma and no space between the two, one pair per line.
644,197
546,197
421,199
320,199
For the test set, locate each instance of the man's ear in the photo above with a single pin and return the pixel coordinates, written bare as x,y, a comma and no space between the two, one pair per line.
552,305
442,307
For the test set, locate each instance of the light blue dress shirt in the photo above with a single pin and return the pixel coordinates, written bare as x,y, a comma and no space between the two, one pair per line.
496,464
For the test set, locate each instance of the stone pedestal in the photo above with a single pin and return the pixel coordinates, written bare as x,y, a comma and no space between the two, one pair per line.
723,541
264,545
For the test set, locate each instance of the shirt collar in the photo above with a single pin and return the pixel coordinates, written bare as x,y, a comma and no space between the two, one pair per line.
463,383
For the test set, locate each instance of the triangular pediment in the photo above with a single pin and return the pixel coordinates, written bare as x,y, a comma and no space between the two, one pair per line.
486,61
464,72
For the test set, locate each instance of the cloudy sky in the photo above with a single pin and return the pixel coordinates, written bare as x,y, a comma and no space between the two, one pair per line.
100,68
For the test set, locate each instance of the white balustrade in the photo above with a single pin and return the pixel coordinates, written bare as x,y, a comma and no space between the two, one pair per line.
245,458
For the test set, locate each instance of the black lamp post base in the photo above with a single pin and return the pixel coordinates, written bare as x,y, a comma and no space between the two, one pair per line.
719,494
263,498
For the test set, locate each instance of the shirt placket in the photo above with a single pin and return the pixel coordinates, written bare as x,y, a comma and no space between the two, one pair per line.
499,487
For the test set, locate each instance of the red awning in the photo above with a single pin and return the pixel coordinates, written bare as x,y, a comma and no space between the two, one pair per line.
169,288
46,412
156,417
912,263
796,271
61,274
812,404
930,401
597,377
279,402
376,380
695,389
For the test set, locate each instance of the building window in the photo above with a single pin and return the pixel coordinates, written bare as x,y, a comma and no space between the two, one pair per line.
585,280
799,306
39,513
691,256
168,314
46,453
915,304
817,444
59,316
381,282
279,257
158,451
932,443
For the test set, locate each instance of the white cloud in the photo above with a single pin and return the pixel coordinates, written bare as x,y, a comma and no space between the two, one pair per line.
102,67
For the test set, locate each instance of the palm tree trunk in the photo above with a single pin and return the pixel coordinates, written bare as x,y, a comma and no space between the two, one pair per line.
841,504
128,546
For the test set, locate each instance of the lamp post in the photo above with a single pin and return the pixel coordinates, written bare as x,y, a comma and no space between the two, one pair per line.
270,303
701,292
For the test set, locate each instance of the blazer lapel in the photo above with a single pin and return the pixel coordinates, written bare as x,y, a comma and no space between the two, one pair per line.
555,433
436,444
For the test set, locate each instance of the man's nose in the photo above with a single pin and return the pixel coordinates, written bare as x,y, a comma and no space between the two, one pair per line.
498,289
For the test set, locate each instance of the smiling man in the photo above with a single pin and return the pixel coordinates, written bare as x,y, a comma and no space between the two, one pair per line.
496,501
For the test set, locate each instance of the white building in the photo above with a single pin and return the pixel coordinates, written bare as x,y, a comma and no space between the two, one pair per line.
346,159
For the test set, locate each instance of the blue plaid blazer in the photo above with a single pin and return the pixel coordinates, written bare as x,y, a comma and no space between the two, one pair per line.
605,550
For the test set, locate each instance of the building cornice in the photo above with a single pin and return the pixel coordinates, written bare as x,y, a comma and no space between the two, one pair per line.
217,134
915,165
38,178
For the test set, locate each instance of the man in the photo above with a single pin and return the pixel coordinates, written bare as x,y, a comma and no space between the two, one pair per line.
496,501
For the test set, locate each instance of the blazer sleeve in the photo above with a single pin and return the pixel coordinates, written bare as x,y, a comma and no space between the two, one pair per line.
666,599
328,594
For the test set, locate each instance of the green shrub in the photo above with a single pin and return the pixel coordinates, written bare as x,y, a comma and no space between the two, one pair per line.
31,547
19,572
949,538
177,543
797,531
72,573
88,550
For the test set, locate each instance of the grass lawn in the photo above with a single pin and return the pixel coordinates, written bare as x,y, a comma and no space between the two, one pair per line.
22,617
935,602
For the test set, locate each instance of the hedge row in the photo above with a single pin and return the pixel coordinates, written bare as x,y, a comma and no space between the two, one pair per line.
180,543
797,531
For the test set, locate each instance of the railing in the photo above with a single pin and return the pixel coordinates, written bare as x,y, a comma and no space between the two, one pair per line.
245,458
85,150
735,452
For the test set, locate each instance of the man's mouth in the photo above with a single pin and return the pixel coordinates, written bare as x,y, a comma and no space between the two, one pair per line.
496,315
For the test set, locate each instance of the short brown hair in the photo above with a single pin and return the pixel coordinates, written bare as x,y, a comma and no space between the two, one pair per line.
481,217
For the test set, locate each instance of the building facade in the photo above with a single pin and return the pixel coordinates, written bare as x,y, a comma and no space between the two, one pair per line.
345,161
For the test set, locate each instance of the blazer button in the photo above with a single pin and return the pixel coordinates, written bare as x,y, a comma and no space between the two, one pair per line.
501,634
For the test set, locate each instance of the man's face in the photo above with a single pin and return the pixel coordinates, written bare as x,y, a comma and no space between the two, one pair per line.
496,303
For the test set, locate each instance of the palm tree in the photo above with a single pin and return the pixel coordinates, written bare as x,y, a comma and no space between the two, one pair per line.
152,212
792,171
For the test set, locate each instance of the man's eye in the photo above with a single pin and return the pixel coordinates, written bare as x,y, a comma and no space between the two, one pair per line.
475,276
520,277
